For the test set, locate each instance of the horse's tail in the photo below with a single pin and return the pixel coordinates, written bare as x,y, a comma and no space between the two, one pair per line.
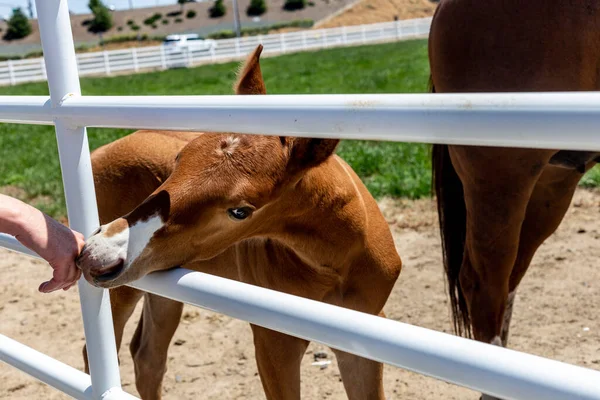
430,85
452,216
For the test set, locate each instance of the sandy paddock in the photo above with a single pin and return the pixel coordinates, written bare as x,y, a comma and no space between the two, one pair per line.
556,316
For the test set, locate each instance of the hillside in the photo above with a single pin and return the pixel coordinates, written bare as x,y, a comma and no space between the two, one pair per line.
201,23
373,11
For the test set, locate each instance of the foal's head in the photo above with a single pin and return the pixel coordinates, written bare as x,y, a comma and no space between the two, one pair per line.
218,194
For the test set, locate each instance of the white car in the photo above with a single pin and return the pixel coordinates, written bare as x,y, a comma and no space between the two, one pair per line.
180,44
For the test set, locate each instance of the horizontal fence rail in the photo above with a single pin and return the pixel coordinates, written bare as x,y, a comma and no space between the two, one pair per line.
158,57
557,120
53,372
501,372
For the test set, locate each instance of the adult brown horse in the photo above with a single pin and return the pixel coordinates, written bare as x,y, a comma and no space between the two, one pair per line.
498,205
277,212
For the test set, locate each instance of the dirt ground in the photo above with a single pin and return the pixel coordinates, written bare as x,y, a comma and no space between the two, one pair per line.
556,316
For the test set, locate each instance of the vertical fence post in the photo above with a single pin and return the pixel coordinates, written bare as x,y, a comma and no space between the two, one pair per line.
43,69
324,37
190,57
363,33
238,53
134,58
163,58
398,30
304,44
282,42
344,35
11,73
106,62
73,151
212,53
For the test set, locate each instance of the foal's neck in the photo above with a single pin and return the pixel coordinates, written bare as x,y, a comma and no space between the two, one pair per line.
323,216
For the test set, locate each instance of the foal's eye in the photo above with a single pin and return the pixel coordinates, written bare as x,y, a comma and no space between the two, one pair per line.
239,213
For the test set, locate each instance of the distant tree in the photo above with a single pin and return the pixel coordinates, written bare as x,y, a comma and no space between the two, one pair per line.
102,17
18,25
256,7
181,3
218,9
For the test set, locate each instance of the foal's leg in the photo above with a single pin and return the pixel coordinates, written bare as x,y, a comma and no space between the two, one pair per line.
549,202
278,357
150,343
363,378
498,184
122,303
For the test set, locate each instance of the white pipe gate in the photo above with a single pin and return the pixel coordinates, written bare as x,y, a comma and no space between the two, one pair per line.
519,120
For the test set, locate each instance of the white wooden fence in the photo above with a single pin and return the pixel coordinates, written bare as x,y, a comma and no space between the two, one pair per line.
157,57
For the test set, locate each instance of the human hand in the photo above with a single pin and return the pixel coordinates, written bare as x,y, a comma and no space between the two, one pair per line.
63,245
53,241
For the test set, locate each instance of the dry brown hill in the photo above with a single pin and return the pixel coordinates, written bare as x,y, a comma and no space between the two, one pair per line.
373,11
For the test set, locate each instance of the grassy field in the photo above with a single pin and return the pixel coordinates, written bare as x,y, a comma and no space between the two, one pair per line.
29,165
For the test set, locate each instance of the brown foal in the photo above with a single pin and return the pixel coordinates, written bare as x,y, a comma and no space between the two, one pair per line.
278,212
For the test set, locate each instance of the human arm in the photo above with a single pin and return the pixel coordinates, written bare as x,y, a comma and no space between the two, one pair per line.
54,242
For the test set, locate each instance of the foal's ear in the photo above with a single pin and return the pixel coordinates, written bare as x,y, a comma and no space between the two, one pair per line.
305,153
250,80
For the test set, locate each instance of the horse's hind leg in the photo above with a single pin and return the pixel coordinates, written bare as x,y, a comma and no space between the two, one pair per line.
363,378
278,357
150,343
549,202
122,303
498,184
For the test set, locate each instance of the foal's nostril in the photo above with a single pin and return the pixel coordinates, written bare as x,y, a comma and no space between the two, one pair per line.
108,272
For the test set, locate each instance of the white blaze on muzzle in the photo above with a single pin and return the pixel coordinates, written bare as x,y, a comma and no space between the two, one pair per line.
127,244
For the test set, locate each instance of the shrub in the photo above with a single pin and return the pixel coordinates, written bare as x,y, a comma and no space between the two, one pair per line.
34,54
18,26
292,5
178,20
190,14
218,9
126,38
165,22
130,22
120,28
256,7
227,34
102,17
135,27
153,19
173,13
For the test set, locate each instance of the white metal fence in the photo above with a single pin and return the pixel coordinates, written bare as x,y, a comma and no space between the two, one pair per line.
485,119
156,57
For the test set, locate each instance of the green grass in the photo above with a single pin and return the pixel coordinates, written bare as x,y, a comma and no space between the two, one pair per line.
29,164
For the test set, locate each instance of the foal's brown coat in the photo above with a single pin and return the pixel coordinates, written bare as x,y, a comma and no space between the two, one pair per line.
315,232
498,205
